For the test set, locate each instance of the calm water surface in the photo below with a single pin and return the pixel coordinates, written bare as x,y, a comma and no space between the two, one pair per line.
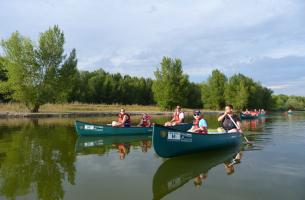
44,159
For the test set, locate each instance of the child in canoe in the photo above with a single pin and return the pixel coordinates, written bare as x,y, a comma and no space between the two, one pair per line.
145,120
199,124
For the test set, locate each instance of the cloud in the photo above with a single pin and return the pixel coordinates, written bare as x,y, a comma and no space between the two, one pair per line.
132,36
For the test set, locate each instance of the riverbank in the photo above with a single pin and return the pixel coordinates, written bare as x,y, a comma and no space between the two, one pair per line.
16,110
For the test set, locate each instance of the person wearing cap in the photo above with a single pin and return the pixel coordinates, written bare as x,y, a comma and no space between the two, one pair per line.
199,124
178,117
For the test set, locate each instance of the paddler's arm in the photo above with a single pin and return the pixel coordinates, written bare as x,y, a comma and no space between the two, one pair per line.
221,117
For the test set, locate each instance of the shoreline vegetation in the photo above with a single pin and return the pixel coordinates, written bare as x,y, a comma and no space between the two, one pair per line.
15,110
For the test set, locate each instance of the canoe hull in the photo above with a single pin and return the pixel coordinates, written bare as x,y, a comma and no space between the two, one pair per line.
90,129
169,142
249,117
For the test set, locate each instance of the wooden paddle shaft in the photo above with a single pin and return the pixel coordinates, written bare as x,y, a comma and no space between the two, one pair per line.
233,122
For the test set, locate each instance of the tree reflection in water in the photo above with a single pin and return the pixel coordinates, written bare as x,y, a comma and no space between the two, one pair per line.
37,158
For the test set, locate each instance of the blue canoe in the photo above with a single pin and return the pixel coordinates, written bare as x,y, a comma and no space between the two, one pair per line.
90,129
169,142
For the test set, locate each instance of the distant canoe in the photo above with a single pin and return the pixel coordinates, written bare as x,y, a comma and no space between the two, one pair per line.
169,142
249,117
90,129
175,172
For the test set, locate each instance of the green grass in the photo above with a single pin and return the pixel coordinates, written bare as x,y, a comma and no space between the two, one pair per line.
81,107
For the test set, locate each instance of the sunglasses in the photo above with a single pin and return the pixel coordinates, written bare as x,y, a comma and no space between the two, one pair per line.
196,115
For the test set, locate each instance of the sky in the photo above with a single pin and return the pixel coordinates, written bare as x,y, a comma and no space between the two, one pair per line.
261,39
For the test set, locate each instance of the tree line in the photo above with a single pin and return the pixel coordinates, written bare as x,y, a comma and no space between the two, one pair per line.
35,74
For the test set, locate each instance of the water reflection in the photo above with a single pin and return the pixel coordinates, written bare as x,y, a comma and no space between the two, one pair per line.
35,158
175,172
254,124
101,145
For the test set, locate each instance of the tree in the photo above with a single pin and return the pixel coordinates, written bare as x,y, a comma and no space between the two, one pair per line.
213,92
4,95
194,96
38,75
170,86
295,103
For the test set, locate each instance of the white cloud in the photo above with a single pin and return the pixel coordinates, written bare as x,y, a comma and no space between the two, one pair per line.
132,36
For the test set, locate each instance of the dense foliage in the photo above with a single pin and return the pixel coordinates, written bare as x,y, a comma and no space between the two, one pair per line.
38,74
284,102
102,87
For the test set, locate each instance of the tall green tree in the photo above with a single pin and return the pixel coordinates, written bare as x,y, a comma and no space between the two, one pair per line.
194,96
38,75
213,91
237,91
170,86
4,95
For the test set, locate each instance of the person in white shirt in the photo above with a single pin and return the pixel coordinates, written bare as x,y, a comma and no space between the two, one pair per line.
178,117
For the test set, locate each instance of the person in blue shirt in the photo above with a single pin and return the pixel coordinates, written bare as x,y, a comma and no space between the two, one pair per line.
199,124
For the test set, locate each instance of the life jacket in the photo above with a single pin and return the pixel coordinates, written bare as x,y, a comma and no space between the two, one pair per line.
254,113
176,117
121,117
196,122
145,121
227,124
196,125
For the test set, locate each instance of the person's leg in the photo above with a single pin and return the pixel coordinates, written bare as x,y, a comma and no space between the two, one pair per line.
234,130
191,129
168,124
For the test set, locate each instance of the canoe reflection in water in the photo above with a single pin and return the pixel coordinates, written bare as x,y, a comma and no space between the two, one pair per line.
175,172
145,145
101,145
228,165
123,150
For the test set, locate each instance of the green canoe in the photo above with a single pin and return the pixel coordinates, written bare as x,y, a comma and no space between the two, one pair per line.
90,129
175,172
90,142
249,117
169,142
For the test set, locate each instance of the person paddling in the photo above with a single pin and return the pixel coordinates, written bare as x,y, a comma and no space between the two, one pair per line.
230,122
123,119
178,117
199,124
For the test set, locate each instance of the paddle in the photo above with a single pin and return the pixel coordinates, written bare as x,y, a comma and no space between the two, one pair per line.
248,142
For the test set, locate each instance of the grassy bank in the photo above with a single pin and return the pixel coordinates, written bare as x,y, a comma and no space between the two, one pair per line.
78,109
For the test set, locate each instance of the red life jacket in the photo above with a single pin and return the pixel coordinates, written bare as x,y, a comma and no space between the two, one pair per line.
176,117
121,117
196,125
145,121
196,122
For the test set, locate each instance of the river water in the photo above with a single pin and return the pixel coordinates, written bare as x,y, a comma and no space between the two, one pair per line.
45,159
